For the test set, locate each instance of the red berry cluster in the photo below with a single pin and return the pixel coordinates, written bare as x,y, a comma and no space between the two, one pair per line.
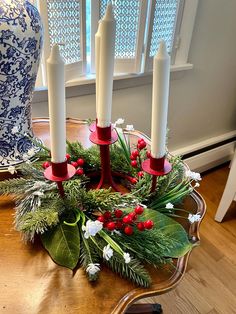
133,180
77,164
141,144
46,164
135,159
126,222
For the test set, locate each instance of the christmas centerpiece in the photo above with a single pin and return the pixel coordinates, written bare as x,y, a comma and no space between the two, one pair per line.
114,203
92,227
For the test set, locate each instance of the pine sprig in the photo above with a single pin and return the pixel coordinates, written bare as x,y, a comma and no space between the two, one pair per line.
74,190
32,195
28,170
144,247
90,155
143,187
133,271
13,186
37,222
34,218
88,255
105,199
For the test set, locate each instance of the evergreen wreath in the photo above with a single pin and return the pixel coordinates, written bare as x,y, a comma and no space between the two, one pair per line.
89,226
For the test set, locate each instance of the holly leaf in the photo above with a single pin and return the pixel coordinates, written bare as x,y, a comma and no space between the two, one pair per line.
63,244
172,231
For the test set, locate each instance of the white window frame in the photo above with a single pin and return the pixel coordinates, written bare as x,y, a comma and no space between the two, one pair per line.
183,39
74,70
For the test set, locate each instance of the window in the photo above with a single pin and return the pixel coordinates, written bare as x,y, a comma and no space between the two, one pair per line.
140,25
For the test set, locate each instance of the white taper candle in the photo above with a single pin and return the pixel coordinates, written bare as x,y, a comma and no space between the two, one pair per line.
97,62
106,67
56,101
160,95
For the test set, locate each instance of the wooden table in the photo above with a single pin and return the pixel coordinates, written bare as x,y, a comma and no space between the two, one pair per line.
30,282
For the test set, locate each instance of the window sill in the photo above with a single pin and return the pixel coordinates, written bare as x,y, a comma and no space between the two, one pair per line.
86,85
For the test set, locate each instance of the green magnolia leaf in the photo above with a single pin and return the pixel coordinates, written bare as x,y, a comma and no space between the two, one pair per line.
63,244
169,229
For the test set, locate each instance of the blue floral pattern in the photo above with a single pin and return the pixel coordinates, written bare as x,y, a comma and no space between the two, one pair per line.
20,49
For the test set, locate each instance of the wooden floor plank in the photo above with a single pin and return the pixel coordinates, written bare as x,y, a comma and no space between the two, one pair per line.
213,290
212,250
220,238
213,312
228,222
223,269
188,299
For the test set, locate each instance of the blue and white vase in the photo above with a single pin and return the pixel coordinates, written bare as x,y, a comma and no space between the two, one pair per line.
20,49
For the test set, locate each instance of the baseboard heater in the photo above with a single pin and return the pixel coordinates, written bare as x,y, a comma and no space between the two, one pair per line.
210,153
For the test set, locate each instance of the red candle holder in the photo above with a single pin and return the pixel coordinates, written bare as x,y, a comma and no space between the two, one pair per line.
93,126
59,172
157,167
104,137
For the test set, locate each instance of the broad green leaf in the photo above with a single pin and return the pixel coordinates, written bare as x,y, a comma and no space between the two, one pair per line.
170,229
63,244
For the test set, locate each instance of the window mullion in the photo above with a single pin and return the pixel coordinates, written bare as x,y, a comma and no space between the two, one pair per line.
150,20
176,37
140,35
83,35
94,26
46,48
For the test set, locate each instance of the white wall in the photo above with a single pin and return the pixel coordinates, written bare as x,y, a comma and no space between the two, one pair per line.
202,101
